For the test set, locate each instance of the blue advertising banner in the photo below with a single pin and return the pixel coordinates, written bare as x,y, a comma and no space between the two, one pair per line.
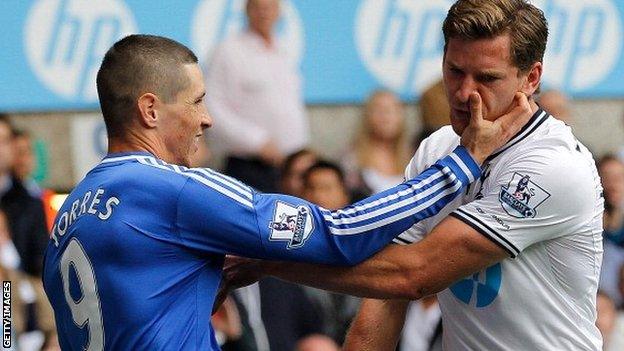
51,49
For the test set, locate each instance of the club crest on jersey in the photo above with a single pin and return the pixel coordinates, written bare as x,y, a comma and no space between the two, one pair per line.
292,224
521,196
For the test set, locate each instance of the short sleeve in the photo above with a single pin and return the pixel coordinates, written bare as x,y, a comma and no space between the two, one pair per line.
537,197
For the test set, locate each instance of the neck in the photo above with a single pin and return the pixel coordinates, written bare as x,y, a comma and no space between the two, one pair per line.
381,144
133,142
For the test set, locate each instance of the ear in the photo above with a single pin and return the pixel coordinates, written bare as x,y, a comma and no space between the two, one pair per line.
532,79
147,109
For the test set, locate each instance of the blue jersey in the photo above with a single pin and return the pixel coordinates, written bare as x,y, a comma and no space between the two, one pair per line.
136,252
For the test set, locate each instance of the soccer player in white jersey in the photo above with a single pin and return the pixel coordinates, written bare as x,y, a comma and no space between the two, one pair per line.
515,260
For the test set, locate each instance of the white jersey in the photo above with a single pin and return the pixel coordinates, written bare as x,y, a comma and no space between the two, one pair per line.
540,199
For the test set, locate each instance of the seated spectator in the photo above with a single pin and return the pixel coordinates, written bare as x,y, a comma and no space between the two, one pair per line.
33,314
23,167
381,149
317,343
291,173
25,213
557,104
24,162
611,171
324,185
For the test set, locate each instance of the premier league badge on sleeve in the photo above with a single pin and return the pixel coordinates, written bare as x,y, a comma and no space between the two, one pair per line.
292,224
521,197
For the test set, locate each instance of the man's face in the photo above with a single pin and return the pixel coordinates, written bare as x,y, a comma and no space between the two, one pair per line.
612,176
484,66
292,181
262,15
385,117
24,162
324,188
182,121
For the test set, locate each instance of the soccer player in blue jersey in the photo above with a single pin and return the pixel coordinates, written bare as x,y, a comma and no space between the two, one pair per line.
136,252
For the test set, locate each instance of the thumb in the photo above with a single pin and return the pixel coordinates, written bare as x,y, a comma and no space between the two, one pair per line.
476,109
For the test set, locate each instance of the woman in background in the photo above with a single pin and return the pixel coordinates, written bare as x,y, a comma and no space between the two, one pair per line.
381,150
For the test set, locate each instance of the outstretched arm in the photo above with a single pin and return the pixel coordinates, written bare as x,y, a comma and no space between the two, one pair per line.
453,250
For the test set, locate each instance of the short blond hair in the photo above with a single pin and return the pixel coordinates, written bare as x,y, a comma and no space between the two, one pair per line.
482,19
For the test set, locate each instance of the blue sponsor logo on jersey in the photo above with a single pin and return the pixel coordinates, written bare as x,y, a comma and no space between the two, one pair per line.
482,287
291,223
521,196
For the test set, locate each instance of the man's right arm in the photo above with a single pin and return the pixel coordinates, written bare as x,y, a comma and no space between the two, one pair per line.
235,220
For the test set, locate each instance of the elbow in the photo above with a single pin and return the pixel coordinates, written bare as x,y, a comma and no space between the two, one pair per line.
415,282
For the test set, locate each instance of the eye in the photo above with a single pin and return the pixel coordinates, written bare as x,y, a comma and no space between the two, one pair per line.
488,78
456,70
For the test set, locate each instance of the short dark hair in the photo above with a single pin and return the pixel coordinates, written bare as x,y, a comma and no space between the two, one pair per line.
482,19
290,160
135,65
322,165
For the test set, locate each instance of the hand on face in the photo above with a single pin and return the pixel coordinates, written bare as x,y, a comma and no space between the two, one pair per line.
483,137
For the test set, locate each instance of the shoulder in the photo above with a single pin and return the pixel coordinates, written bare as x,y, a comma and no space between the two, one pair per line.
437,145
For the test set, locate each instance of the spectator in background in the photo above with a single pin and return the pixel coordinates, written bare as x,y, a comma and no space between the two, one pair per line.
25,213
324,185
24,162
287,312
291,174
32,314
611,171
256,99
557,104
23,167
434,111
381,149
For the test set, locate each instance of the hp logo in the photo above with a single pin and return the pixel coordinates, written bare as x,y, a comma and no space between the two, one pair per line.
401,42
65,41
214,20
481,289
584,45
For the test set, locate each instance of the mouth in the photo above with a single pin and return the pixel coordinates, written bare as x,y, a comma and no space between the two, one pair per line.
460,113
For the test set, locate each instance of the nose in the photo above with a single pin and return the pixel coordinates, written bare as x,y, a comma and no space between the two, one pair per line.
466,87
206,121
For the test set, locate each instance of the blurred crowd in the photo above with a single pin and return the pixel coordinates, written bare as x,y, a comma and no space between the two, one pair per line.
255,98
